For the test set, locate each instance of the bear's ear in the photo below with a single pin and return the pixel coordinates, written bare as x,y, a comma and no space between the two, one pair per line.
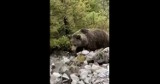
84,30
78,37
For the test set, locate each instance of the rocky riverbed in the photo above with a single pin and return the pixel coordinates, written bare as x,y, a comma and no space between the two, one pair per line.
85,68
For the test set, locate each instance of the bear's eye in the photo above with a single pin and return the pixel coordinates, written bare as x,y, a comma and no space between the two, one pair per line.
74,44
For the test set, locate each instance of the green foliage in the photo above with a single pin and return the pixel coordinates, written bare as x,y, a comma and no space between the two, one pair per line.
60,43
80,14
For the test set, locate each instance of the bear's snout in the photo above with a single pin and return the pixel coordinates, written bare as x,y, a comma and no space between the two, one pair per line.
73,48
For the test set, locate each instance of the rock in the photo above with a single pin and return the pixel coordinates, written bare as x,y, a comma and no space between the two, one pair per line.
95,75
90,75
66,79
88,67
99,80
73,82
55,74
108,70
63,69
74,78
65,60
105,65
81,58
102,56
106,50
73,69
85,62
106,54
55,78
53,66
106,81
85,52
108,67
90,56
93,80
102,72
71,57
92,53
81,82
95,67
87,80
65,76
79,53
83,73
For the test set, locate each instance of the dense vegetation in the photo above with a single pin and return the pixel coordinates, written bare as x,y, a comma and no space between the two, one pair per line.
68,16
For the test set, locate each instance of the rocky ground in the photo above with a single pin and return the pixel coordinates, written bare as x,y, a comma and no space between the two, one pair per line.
85,68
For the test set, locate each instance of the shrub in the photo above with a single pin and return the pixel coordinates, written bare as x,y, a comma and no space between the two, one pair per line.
61,43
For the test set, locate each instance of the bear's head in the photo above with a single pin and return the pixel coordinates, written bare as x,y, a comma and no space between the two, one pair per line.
78,41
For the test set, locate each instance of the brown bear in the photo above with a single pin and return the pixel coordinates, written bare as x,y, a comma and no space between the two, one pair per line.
89,39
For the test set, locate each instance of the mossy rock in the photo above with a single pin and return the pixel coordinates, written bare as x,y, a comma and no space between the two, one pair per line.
81,58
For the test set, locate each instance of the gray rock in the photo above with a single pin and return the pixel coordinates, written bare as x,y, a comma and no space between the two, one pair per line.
53,65
105,65
85,62
65,76
63,69
106,50
87,80
66,79
99,80
88,67
65,60
85,52
102,72
106,81
83,73
90,56
79,53
74,78
95,67
102,56
74,69
81,82
57,75
55,78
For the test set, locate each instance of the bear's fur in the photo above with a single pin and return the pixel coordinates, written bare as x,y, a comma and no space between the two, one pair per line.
89,39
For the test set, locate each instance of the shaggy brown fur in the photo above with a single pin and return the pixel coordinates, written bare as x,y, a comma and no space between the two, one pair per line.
90,39
96,39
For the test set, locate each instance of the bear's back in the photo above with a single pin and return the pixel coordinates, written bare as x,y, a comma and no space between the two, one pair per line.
97,39
102,38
